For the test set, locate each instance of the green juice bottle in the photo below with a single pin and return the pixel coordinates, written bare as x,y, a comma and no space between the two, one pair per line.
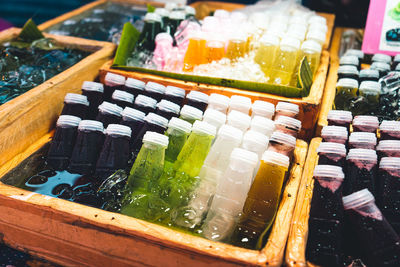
141,199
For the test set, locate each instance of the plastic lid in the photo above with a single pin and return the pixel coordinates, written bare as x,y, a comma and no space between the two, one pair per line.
254,139
68,121
134,83
117,129
89,125
179,15
71,98
380,66
299,20
155,87
152,17
318,27
190,10
239,119
390,126
348,69
286,106
204,127
371,121
349,60
93,86
363,137
382,58
197,96
214,117
333,148
262,124
317,20
155,138
312,46
237,15
276,158
338,131
291,42
240,102
170,6
175,91
289,122
370,86
329,171
396,58
218,99
168,106
355,52
269,39
133,114
318,36
156,119
230,131
179,124
109,108
357,199
245,156
390,163
163,12
164,36
299,34
283,138
368,73
191,112
145,101
114,79
362,154
347,82
388,145
263,108
122,96
340,115
221,13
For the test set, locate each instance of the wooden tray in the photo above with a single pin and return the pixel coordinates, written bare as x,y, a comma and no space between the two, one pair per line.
71,234
31,115
297,241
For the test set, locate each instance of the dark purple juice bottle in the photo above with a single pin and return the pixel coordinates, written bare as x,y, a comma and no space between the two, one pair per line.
282,143
197,99
75,105
167,109
175,95
362,140
109,114
115,152
154,90
369,75
63,142
377,239
94,93
340,118
122,99
361,170
112,82
288,125
134,86
134,119
348,71
332,154
388,148
365,123
335,134
324,245
390,130
145,104
87,147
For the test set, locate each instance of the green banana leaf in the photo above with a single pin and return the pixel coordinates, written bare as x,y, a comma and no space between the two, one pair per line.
30,32
150,8
130,36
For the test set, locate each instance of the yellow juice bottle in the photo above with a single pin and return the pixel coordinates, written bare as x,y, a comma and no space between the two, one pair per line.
195,53
236,46
266,53
285,61
312,51
215,50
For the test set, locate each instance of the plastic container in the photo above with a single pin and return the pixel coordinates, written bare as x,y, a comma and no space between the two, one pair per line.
190,114
346,91
382,58
154,90
388,148
390,130
362,140
316,36
75,105
365,123
288,125
370,91
262,125
122,99
336,134
218,102
152,27
175,18
286,109
174,94
369,75
177,132
94,93
255,142
340,118
312,51
214,117
282,143
197,99
348,71
263,109
112,82
134,119
240,103
330,153
145,104
236,45
168,109
239,120
268,49
134,86
382,67
349,60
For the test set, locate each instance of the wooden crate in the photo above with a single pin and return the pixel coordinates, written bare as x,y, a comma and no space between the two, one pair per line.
71,234
31,115
296,246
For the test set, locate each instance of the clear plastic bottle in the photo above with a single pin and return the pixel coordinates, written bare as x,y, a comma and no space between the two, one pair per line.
312,51
75,105
336,134
255,142
239,120
362,140
177,132
122,99
163,50
262,125
215,50
214,117
263,109
236,46
316,36
287,109
175,18
109,114
196,53
230,196
346,91
218,102
240,103
267,51
190,114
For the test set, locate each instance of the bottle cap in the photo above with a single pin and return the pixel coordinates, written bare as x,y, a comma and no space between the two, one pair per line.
152,17
145,101
365,120
340,115
219,100
155,138
117,129
357,199
238,102
190,10
317,36
164,36
355,52
175,91
197,96
381,66
286,106
178,15
382,58
133,114
276,158
221,13
312,46
109,108
298,20
291,42
349,60
239,120
368,73
168,106
71,98
156,119
269,39
155,87
238,16
170,6
390,126
122,96
214,117
231,132
263,125
390,163
283,138
329,171
163,12
68,121
289,122
179,124
134,83
245,156
396,58
190,112
362,137
334,131
370,86
348,69
347,82
318,27
89,125
317,20
298,34
362,154
388,145
332,148
114,79
263,108
93,86
254,140
204,127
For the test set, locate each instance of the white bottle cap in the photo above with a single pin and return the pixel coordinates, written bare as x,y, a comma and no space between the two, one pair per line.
122,96
286,106
269,40
253,140
152,17
311,46
109,108
317,36
382,58
262,125
71,98
362,154
117,129
156,119
93,86
114,79
318,27
190,112
163,12
329,171
368,73
231,132
391,126
170,6
283,138
197,96
133,114
332,148
179,124
276,158
240,103
190,10
155,87
347,82
357,199
349,60
214,117
388,145
155,138
175,91
298,34
168,106
290,42
365,120
217,100
349,69
380,66
355,52
68,121
134,83
245,156
239,120
289,122
334,131
390,163
204,128
178,15
145,101
370,86
263,108
340,115
90,125
317,19
362,138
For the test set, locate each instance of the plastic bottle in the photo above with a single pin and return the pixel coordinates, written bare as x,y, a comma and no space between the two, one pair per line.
388,148
369,75
349,60
381,58
365,123
312,51
167,109
362,140
134,119
340,118
267,51
262,125
330,153
175,18
383,68
163,49
174,94
316,36
177,132
122,99
214,117
196,52
239,120
370,91
236,46
145,104
134,86
288,125
348,71
190,12
154,90
218,102
255,142
262,199
164,14
109,113
286,109
152,27
214,50
190,114
75,105
346,90
282,143
197,99
263,109
390,130
240,103
94,93
336,134
112,82
230,196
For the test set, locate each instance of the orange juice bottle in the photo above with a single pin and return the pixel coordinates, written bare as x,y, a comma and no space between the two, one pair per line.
195,53
236,46
215,50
